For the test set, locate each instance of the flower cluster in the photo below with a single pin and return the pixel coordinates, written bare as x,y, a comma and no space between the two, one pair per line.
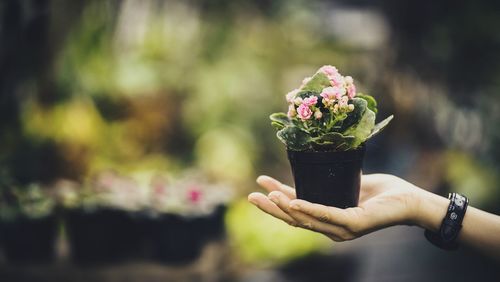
327,114
190,194
334,97
145,191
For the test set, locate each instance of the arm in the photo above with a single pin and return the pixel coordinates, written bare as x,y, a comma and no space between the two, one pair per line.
480,230
385,200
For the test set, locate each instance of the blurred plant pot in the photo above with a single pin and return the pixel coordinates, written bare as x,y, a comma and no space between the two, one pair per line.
27,240
328,178
102,236
213,224
180,240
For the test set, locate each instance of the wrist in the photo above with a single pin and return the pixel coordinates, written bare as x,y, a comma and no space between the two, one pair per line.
430,211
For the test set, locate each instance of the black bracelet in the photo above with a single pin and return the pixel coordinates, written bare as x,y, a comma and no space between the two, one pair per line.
451,225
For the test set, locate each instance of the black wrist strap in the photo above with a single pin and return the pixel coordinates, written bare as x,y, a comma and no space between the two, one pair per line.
451,225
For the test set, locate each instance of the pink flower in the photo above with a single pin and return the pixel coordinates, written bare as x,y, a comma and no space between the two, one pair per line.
343,102
291,95
331,93
349,80
311,100
194,195
328,95
304,112
337,80
328,70
351,90
291,111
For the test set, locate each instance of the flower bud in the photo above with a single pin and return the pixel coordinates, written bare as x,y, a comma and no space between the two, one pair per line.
336,109
318,114
298,101
291,111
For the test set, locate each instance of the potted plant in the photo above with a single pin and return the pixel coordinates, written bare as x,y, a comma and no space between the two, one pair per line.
325,131
100,218
189,212
28,223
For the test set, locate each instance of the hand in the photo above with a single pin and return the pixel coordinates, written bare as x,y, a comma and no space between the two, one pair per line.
385,200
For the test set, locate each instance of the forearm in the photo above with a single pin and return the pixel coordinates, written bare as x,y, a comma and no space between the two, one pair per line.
480,229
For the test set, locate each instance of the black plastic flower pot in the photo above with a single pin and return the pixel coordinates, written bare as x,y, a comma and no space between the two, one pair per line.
328,178
177,239
27,240
213,224
102,236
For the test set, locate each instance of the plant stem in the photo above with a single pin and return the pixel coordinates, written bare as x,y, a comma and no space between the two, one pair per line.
305,124
331,123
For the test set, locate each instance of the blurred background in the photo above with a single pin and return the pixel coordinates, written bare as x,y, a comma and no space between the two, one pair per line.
131,132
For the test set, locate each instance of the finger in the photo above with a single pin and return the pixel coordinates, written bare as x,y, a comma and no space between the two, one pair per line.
304,220
263,203
333,215
271,184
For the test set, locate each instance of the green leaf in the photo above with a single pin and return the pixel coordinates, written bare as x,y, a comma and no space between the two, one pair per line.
372,103
334,140
363,128
277,125
305,94
317,83
294,138
353,118
379,126
281,118
333,137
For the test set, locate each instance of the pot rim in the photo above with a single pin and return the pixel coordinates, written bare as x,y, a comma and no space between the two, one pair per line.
328,156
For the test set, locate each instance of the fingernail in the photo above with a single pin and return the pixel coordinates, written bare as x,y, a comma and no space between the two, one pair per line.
294,206
253,201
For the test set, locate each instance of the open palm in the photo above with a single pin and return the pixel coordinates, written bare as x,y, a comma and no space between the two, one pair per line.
385,200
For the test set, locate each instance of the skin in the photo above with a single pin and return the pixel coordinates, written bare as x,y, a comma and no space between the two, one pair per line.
385,200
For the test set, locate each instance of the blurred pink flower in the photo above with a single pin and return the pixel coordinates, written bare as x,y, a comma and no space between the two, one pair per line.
304,112
194,195
351,91
328,70
291,95
351,88
311,100
337,80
